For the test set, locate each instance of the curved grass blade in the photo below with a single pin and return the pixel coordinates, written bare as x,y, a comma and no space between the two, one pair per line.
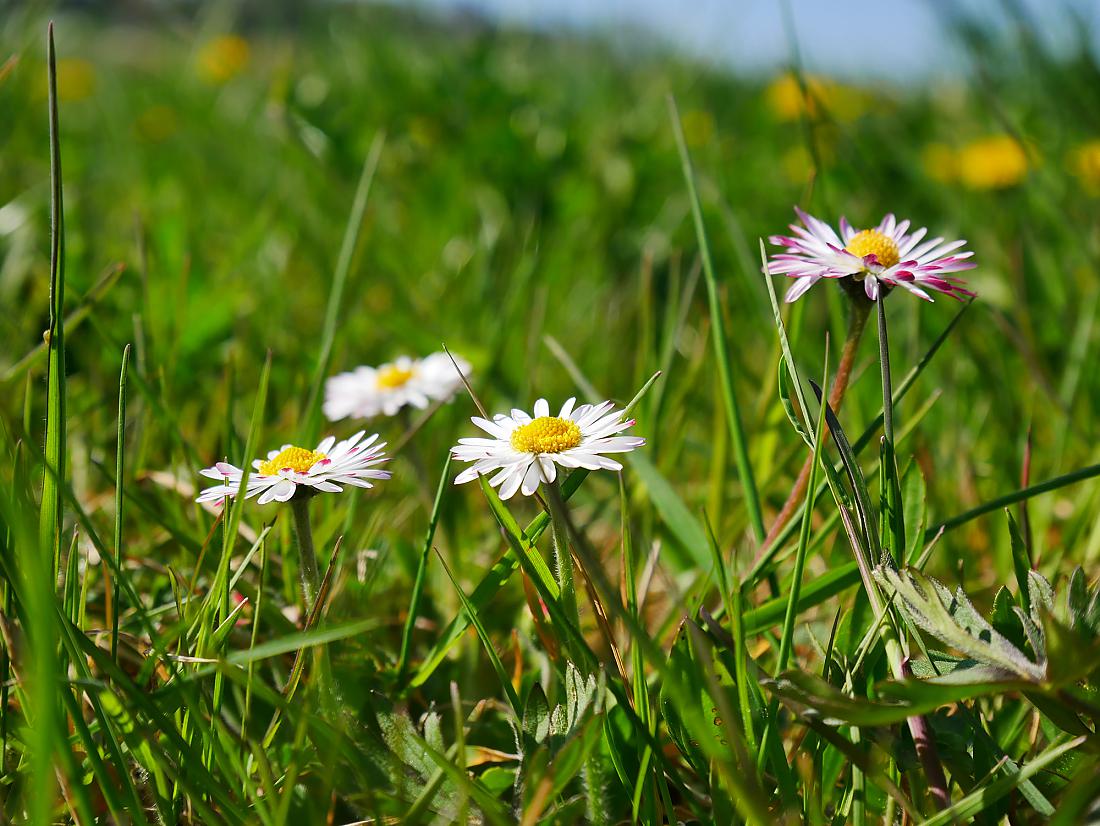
52,511
312,413
483,635
421,574
718,334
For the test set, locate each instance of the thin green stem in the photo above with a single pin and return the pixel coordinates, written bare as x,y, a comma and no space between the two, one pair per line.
923,739
884,363
307,557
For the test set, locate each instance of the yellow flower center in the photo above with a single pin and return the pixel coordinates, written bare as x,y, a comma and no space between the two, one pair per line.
390,377
546,434
295,458
871,241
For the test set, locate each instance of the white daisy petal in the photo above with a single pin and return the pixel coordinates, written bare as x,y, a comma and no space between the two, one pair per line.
548,468
531,479
513,481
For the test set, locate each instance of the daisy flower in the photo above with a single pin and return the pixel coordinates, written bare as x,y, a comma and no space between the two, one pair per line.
887,255
367,391
292,471
527,450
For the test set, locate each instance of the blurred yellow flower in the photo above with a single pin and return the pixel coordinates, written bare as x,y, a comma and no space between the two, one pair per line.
797,165
223,58
994,162
157,123
940,162
1085,164
787,101
75,79
698,125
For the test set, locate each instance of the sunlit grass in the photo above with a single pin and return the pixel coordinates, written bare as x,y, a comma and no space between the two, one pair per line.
627,647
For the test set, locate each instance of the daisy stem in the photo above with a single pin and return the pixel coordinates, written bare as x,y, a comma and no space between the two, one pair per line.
856,325
887,384
307,557
923,739
555,505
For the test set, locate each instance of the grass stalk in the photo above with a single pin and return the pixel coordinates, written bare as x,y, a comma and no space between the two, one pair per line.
52,511
421,575
718,336
120,466
354,227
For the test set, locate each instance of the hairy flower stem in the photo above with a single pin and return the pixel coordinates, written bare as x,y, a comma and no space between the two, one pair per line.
919,727
856,325
307,558
555,505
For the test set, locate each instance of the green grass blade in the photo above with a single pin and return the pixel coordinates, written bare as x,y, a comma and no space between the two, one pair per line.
120,466
483,635
312,413
718,335
421,575
52,512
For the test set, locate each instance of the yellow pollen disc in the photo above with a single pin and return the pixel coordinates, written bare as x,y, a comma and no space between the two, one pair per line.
295,458
872,241
546,434
390,377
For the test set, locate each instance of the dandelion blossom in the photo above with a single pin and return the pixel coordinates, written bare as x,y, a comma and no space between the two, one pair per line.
881,258
995,162
223,58
1085,163
526,450
367,391
297,471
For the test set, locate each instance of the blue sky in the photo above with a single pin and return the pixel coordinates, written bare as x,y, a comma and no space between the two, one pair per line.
898,39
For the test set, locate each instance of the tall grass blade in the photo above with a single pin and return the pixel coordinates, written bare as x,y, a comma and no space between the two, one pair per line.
718,335
312,412
120,475
52,512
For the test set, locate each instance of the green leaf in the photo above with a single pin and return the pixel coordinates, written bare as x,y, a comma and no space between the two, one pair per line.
1071,656
952,619
897,700
536,715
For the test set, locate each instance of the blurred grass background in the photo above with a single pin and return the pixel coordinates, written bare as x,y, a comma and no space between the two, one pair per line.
529,186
